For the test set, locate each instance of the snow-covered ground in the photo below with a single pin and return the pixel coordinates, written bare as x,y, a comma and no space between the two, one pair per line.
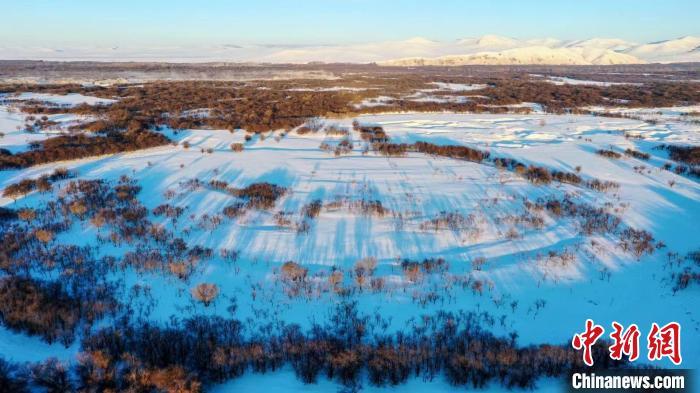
375,101
561,80
457,86
15,137
71,99
428,95
601,282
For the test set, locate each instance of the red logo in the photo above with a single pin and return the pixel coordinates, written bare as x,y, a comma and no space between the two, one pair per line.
626,342
586,340
665,342
662,342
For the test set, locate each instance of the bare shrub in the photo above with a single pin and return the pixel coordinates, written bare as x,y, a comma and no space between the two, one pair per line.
602,185
335,279
312,209
688,273
44,236
448,221
478,263
234,210
391,149
78,208
304,226
205,293
363,269
513,234
180,270
343,147
638,242
237,147
168,210
283,219
427,266
335,130
26,214
293,272
370,207
538,175
372,134
312,125
609,154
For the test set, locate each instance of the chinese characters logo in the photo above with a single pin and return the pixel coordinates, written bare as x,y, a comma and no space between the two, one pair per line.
662,342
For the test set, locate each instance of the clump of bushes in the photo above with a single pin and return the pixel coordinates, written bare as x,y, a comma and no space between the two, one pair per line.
391,149
637,154
42,184
689,272
260,195
371,134
609,154
538,175
205,293
234,210
312,209
237,147
448,221
460,152
638,242
428,265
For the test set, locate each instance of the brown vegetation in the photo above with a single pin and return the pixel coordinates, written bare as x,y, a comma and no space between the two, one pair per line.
205,293
609,154
42,184
637,154
70,147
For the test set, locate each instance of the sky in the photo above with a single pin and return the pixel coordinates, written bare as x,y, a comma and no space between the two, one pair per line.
319,22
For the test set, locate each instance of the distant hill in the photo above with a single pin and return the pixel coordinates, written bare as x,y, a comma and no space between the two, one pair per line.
417,51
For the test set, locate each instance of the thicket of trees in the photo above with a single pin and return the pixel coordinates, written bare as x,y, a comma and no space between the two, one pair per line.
686,154
43,308
41,184
186,355
70,147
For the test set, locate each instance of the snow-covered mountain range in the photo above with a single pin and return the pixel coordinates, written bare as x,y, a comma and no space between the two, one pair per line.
597,51
489,49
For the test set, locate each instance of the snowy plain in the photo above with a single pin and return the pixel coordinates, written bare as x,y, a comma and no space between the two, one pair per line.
603,283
